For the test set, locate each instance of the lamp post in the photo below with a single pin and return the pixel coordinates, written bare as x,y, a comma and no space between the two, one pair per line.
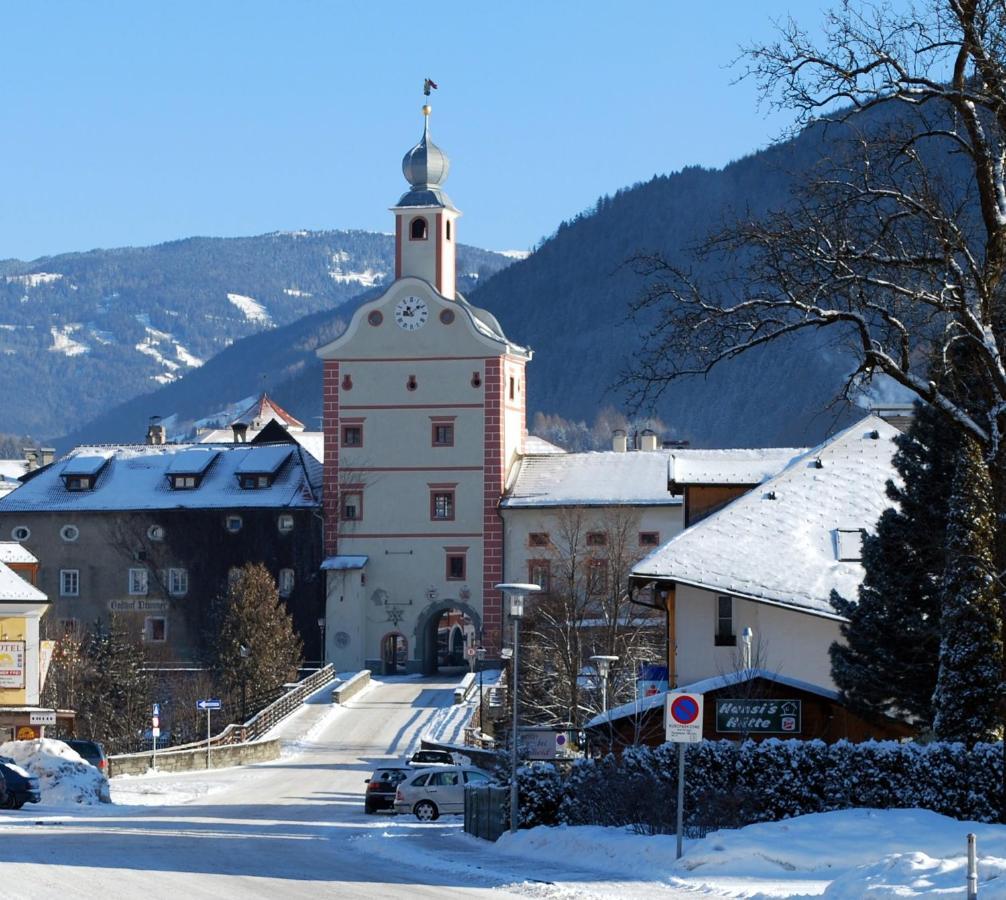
516,594
604,664
321,628
480,656
746,636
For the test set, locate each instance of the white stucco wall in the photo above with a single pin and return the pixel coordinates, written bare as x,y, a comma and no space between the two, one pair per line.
785,641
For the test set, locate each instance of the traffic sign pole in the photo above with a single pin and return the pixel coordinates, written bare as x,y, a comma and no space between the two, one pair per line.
155,732
682,725
209,712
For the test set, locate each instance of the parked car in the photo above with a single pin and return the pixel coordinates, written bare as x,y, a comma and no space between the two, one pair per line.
94,753
22,786
423,759
381,787
431,793
3,789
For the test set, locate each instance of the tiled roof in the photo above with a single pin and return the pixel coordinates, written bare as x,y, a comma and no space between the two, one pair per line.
779,542
264,409
135,478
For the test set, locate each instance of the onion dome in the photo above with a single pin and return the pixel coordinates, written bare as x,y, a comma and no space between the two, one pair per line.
425,167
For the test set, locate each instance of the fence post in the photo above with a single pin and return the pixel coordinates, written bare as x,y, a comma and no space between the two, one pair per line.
972,868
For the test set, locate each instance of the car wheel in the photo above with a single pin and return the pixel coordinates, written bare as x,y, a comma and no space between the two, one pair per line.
369,810
18,805
10,803
426,811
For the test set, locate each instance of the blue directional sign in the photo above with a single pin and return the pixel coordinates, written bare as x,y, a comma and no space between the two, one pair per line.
157,709
208,704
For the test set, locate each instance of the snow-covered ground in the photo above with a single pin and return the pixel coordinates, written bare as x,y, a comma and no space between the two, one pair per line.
252,309
295,827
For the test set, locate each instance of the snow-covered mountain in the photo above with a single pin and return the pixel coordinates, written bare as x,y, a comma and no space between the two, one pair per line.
81,333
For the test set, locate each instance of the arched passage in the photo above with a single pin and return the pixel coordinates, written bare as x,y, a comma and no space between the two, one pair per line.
443,633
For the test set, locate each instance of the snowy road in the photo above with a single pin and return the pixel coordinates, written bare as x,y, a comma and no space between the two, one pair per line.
290,828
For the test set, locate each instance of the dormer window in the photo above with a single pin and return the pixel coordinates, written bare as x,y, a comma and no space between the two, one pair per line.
261,465
189,467
418,229
81,472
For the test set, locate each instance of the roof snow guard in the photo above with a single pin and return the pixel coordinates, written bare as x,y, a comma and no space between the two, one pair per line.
776,543
344,563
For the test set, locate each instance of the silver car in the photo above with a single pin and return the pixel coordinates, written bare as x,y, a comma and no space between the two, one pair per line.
431,793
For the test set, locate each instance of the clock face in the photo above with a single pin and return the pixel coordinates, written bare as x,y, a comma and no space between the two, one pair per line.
411,313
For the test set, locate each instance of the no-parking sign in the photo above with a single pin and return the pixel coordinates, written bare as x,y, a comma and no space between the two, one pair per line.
683,718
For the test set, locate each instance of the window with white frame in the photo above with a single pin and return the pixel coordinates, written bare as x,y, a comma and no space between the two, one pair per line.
178,582
285,523
69,582
285,582
138,581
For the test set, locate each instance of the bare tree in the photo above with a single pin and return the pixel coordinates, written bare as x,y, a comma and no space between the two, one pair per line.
585,612
898,240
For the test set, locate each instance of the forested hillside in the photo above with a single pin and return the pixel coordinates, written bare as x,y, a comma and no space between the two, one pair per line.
82,332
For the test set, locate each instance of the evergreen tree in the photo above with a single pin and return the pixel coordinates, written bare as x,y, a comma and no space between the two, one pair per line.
115,707
966,699
256,648
888,662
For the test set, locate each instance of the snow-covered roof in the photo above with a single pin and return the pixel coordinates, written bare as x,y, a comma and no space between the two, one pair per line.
536,445
13,588
135,478
636,478
312,441
13,552
728,466
779,542
265,409
656,701
12,469
342,563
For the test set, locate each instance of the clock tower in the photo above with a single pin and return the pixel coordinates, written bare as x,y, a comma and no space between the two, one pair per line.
424,413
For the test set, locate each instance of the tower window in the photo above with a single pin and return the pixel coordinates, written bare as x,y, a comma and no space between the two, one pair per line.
352,435
443,434
448,229
418,229
456,566
442,505
725,636
512,387
352,506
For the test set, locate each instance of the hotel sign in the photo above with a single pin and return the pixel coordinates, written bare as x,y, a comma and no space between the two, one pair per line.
12,664
758,716
138,604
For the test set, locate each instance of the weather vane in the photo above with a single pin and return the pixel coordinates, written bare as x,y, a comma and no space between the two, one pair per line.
428,85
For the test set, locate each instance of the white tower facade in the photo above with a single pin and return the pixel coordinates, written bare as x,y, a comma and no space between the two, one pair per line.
424,403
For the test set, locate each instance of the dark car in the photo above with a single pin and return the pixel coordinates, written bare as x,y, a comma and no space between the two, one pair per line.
423,759
381,787
22,786
94,753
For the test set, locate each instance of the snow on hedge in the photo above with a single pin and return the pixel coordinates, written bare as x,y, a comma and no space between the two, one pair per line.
64,778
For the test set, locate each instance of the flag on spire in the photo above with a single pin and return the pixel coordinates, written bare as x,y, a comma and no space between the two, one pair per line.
427,85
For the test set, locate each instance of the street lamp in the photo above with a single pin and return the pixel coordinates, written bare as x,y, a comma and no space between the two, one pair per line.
516,594
480,656
604,664
746,636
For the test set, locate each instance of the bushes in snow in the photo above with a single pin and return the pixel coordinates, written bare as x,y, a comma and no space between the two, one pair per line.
729,784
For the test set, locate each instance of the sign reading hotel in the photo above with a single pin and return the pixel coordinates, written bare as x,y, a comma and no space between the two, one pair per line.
138,604
12,664
758,716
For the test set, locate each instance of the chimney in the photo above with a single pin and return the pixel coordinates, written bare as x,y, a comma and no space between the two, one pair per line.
619,441
155,432
31,456
240,430
648,440
48,455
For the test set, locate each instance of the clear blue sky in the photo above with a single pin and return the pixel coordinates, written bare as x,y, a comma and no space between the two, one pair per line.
131,123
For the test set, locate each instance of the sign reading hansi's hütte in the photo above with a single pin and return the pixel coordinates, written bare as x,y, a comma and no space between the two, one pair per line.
758,716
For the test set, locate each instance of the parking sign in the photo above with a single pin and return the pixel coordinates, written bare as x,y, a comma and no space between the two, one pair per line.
683,718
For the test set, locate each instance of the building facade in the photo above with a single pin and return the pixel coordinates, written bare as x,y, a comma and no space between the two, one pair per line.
424,412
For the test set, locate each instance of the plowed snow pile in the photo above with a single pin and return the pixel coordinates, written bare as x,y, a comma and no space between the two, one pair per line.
64,777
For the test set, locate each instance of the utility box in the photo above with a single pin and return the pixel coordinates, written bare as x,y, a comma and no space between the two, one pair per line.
487,810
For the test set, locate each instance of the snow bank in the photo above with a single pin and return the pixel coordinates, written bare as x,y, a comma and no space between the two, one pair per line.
850,855
64,778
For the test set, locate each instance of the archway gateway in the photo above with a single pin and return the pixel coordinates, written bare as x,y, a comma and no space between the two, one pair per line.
444,633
